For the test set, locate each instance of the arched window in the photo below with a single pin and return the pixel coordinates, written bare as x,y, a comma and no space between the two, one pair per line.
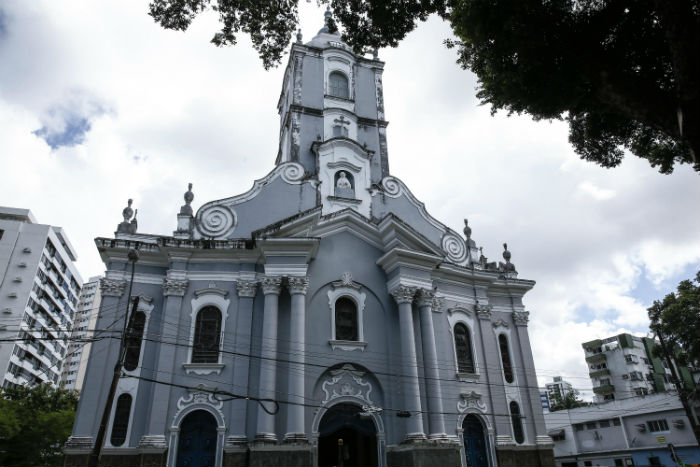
207,335
517,422
463,348
505,358
120,425
338,85
134,337
345,320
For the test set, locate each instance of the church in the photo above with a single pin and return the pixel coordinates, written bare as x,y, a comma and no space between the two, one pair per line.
323,318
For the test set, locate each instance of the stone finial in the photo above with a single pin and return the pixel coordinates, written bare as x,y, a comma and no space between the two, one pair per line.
507,268
467,230
506,253
327,20
128,212
189,196
128,225
134,224
299,36
375,54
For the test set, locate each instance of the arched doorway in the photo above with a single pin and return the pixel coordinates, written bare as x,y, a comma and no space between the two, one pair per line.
359,435
474,442
197,444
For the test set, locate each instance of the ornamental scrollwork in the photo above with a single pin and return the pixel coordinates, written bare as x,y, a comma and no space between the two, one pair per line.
521,317
470,400
347,381
246,288
298,285
216,221
454,247
483,311
403,294
271,285
175,287
112,287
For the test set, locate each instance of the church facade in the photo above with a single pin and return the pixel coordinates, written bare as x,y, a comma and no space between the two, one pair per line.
322,318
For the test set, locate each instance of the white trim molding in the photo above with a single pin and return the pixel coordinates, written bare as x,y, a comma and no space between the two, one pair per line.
346,287
211,296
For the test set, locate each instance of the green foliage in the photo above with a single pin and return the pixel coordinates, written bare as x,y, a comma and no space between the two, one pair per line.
570,401
677,318
623,74
34,424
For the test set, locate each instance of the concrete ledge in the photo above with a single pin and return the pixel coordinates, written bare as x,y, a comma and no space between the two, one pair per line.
287,455
424,454
531,456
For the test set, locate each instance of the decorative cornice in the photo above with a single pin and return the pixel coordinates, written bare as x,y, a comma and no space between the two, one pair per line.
403,294
112,287
425,297
246,288
271,285
175,287
298,285
521,317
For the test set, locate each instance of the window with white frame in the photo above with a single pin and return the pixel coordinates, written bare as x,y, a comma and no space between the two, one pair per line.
338,85
463,349
347,304
207,336
657,425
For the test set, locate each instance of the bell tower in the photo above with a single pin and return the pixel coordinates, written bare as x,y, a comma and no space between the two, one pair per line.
332,119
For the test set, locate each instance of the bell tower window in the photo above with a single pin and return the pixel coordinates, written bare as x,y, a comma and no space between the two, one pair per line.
338,85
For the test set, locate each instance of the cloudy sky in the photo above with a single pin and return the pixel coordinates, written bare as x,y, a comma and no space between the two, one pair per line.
99,104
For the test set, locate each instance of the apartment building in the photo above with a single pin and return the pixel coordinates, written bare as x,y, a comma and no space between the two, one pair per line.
83,329
39,291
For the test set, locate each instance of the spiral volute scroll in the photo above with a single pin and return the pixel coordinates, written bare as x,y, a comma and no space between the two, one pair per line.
453,245
292,172
216,221
392,187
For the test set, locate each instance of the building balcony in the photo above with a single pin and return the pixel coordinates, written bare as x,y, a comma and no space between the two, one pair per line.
599,373
604,389
597,358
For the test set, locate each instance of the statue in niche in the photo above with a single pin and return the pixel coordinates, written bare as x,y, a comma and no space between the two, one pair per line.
343,186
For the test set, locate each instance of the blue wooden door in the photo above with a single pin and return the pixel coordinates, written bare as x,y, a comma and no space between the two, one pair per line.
197,444
474,442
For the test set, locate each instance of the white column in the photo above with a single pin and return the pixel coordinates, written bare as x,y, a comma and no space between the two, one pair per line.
268,354
297,347
246,290
411,389
430,362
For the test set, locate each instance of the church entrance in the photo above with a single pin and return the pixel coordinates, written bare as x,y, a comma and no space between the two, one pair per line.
358,435
474,442
197,444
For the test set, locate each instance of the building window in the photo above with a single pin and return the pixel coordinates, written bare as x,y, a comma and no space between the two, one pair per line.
345,320
463,348
517,423
505,358
134,337
338,85
207,335
121,420
657,425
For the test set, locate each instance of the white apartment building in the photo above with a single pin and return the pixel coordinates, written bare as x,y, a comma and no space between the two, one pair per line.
559,388
83,329
39,290
624,366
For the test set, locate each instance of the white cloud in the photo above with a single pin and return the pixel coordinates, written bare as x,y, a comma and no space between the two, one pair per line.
182,110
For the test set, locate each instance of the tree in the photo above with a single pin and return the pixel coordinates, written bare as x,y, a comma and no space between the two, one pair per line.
34,424
570,401
624,74
677,319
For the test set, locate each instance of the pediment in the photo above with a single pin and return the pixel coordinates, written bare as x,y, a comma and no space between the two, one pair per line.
389,233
